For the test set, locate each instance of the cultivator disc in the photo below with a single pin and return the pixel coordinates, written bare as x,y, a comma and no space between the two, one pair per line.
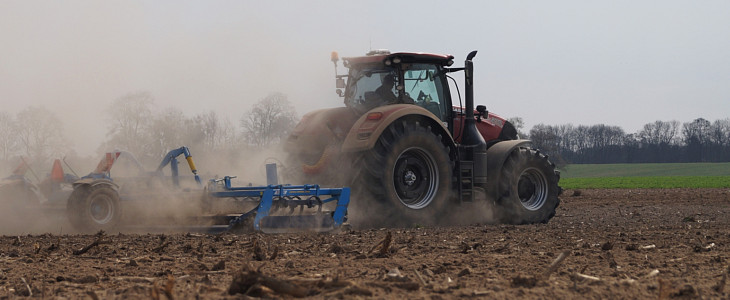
309,207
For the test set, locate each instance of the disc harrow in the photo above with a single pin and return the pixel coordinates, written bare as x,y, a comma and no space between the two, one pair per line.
314,205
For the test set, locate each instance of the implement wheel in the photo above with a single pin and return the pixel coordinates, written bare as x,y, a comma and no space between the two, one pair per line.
528,188
94,208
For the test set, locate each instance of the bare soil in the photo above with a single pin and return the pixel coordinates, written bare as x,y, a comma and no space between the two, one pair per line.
601,244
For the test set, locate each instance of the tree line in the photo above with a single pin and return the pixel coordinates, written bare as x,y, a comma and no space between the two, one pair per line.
132,124
659,142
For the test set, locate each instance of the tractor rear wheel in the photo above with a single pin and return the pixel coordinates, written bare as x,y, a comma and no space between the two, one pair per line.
408,173
94,208
528,188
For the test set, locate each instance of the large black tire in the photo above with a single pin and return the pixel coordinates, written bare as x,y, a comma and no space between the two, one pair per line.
528,188
404,180
94,208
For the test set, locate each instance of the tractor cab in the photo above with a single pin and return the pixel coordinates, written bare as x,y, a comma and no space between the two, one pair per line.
383,78
419,84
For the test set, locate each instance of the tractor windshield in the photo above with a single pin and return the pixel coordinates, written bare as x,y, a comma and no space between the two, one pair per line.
369,88
423,84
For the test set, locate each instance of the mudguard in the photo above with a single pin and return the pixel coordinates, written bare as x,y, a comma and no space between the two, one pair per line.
319,128
94,182
496,156
367,129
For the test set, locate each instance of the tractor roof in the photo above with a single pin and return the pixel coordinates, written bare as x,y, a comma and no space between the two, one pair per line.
405,57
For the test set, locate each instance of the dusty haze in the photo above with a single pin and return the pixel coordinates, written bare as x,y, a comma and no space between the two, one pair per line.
157,204
619,63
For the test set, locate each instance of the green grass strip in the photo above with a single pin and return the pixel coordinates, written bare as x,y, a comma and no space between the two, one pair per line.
645,170
646,182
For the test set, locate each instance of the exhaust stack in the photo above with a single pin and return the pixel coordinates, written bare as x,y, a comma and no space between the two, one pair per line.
473,148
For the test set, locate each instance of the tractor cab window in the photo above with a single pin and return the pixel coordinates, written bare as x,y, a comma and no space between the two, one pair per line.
423,85
370,88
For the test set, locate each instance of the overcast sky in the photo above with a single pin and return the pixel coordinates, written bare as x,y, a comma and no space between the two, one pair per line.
624,63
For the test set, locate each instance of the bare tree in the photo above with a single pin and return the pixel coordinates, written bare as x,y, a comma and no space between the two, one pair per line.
553,140
131,117
696,138
228,137
8,136
719,141
545,138
167,131
602,135
519,124
269,121
720,132
566,137
40,134
659,133
697,131
581,141
206,130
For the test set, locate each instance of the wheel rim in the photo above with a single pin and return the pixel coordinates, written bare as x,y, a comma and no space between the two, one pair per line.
415,178
532,189
101,209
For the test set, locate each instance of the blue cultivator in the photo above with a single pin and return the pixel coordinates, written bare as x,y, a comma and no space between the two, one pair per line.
309,199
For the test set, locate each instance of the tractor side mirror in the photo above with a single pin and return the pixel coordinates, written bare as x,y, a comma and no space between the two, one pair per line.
482,111
340,83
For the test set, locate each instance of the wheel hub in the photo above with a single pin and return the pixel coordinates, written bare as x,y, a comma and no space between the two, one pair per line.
101,210
532,189
409,178
415,178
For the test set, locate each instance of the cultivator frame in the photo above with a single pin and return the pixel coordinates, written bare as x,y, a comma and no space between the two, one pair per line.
96,201
276,196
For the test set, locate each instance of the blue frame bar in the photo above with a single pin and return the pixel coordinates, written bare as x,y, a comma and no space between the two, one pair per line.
267,193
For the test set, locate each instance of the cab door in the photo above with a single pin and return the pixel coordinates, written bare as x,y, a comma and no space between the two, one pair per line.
424,84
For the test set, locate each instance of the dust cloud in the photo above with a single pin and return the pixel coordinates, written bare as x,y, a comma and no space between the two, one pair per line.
368,212
191,75
24,210
149,201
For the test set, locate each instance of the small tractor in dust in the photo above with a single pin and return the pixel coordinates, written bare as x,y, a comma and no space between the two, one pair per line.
404,146
20,194
153,200
96,202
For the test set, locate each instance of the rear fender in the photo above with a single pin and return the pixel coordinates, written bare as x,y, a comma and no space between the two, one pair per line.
319,128
91,182
496,156
365,132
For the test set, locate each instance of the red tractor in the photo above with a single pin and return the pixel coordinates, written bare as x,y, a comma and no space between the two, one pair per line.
411,152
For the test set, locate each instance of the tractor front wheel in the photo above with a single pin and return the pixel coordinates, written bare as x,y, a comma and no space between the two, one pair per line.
94,208
528,188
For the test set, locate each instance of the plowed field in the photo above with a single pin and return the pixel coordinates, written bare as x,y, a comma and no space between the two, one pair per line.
601,244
